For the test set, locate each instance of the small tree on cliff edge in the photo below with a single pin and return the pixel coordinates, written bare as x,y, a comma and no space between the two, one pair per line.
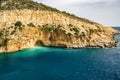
18,23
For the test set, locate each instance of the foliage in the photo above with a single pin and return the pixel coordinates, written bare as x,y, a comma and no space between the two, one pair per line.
56,30
29,4
83,34
70,25
91,31
64,31
59,26
24,4
49,30
4,42
18,23
76,31
99,29
31,25
13,32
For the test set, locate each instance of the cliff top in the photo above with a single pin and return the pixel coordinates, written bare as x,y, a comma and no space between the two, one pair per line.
31,5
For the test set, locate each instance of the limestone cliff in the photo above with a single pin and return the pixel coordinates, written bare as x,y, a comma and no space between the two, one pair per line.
26,28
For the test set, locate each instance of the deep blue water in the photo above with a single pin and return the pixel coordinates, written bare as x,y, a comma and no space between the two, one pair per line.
118,28
45,63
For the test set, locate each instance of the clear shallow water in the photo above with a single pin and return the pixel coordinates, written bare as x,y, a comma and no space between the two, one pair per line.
44,63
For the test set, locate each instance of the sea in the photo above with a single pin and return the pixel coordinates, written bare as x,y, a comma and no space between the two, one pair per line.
51,63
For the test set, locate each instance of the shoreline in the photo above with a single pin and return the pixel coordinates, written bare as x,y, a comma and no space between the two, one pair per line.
56,48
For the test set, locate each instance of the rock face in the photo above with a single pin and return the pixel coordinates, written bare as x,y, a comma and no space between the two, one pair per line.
22,29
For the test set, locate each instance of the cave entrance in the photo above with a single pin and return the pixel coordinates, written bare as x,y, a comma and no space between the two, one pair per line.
39,43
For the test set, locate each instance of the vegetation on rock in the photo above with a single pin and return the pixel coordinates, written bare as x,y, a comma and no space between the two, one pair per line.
91,31
31,24
53,28
29,4
18,23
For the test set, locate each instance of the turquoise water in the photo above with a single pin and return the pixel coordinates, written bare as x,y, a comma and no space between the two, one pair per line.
45,63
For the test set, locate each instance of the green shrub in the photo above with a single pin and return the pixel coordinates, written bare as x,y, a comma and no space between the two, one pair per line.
4,42
31,25
91,31
49,30
99,29
70,25
76,31
40,29
18,23
20,28
13,32
56,30
83,34
97,26
45,25
60,31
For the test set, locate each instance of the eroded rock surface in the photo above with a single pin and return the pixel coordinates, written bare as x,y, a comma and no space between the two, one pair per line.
22,29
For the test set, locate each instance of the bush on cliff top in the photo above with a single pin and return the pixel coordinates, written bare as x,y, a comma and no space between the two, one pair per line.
31,25
29,4
18,23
